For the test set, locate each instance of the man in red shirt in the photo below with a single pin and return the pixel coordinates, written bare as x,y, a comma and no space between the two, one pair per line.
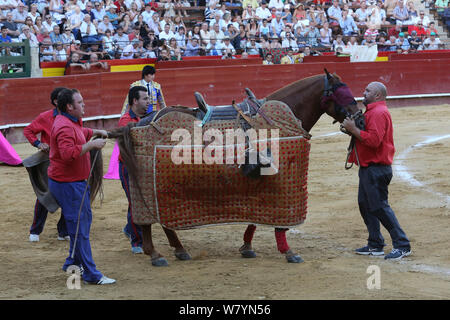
68,173
375,150
43,125
138,101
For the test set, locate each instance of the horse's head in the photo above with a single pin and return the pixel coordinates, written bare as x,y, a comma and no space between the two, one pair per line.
337,100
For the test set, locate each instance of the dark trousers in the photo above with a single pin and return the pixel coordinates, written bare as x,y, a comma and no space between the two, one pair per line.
40,216
132,229
69,196
374,207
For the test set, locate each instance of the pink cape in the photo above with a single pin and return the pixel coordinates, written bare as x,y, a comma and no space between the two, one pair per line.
7,153
113,169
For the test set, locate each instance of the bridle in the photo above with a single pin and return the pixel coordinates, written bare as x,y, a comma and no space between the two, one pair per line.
341,95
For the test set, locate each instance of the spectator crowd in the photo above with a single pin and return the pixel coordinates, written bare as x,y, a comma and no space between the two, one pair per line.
83,30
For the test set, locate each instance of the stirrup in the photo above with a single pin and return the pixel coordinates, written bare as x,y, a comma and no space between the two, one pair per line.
201,102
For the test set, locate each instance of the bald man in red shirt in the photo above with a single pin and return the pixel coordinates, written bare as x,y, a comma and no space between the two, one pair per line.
375,151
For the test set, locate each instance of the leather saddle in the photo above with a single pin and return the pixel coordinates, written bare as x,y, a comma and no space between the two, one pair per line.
249,107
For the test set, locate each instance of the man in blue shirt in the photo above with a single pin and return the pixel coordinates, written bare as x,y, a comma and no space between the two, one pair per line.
4,35
348,25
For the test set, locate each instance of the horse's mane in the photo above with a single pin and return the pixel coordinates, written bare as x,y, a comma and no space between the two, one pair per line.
293,87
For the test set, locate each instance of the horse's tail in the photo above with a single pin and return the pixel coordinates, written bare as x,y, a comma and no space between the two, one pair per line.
96,179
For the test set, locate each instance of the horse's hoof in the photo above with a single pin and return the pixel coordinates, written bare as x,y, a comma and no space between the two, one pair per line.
160,262
183,256
294,259
248,254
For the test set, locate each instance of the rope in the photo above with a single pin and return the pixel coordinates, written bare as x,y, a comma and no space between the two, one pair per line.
81,206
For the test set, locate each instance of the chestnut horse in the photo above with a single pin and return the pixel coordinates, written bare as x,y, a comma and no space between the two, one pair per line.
308,98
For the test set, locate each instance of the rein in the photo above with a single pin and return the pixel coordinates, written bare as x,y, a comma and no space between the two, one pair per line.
358,117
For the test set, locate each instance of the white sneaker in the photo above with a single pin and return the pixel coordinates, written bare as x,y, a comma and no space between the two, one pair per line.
66,238
106,280
34,238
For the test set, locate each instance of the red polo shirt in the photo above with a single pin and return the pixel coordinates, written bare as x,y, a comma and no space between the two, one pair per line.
377,144
66,141
43,125
128,117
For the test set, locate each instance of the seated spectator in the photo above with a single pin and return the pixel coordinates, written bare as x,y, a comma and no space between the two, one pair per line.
290,58
339,42
277,25
120,39
299,13
176,56
88,30
432,42
377,15
262,12
268,59
440,5
149,51
217,33
382,45
93,62
214,48
391,43
33,14
415,41
104,25
99,11
55,35
277,4
389,6
108,44
48,23
412,13
334,13
46,52
244,55
400,13
228,46
4,37
394,31
311,34
67,37
252,47
154,24
362,14
26,34
76,48
164,55
288,40
286,16
247,14
88,11
101,54
112,15
431,28
43,34
130,51
402,42
12,29
167,33
423,19
325,36
348,25
181,38
204,34
193,47
19,14
60,52
371,31
418,28
126,24
75,62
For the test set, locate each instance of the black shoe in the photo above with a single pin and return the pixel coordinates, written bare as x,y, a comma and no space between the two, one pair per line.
368,251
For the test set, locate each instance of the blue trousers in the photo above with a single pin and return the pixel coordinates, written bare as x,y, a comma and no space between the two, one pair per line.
69,195
134,230
374,207
40,216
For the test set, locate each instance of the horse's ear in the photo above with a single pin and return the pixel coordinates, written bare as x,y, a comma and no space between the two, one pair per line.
329,76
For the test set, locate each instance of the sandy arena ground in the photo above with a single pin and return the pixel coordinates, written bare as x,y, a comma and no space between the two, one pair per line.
419,194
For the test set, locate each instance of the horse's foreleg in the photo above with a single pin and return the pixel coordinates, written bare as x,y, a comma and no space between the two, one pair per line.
147,245
246,249
174,242
283,247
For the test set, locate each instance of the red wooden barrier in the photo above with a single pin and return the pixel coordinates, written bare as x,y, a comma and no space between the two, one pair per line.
22,99
420,56
206,63
328,58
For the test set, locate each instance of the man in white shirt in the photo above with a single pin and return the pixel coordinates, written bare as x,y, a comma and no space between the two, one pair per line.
120,39
154,23
432,43
422,18
217,33
217,19
181,38
26,34
131,51
167,33
226,45
82,4
99,11
48,23
263,12
277,25
334,12
88,30
19,15
147,14
105,25
214,48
